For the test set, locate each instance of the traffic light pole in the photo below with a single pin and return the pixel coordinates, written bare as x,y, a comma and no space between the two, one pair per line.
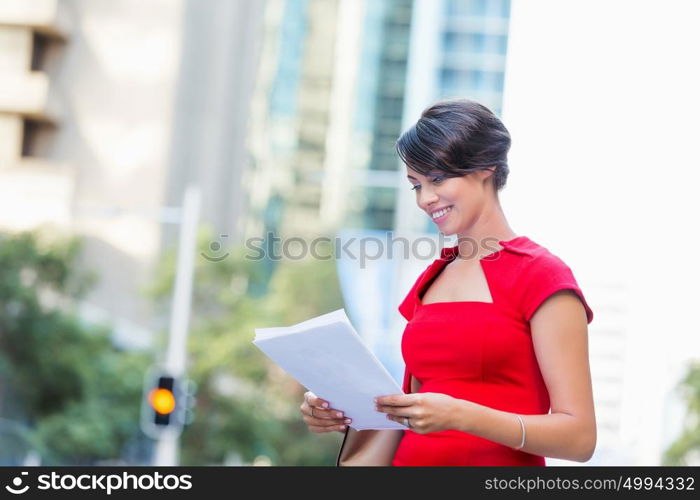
166,449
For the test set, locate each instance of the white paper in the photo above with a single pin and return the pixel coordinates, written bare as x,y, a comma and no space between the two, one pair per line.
327,356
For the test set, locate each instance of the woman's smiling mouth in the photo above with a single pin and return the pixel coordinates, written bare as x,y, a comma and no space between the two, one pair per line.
440,215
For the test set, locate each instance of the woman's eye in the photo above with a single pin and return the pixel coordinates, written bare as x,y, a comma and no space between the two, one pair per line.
438,179
415,186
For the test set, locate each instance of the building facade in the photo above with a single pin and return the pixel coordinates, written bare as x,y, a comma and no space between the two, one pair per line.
108,110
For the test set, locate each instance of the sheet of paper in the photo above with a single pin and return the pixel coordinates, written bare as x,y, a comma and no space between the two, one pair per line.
327,356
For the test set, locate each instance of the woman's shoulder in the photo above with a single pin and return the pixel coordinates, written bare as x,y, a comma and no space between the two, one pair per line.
540,274
533,257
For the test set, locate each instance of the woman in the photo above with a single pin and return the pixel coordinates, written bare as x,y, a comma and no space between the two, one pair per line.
497,333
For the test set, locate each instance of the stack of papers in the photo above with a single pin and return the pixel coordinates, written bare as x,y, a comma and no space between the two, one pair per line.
327,356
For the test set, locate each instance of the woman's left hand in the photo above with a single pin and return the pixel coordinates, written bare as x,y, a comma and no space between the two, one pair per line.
426,411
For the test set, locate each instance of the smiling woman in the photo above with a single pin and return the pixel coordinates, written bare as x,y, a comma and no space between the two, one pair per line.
496,345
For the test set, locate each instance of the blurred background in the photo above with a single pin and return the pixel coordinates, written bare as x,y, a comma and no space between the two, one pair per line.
146,143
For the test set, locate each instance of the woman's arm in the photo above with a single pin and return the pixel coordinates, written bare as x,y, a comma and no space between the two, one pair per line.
560,338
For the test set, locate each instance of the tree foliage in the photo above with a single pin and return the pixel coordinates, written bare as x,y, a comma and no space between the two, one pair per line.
76,393
246,406
687,447
68,392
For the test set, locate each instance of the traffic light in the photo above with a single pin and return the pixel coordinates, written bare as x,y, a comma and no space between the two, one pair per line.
161,399
167,404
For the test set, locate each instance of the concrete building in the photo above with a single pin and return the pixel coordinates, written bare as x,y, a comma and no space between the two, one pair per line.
30,35
109,108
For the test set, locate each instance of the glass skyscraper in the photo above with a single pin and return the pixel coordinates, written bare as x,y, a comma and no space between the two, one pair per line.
340,80
379,111
474,44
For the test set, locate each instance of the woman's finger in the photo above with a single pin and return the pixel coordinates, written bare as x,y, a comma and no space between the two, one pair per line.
397,418
319,422
320,430
327,414
411,424
316,420
395,410
315,401
330,413
322,420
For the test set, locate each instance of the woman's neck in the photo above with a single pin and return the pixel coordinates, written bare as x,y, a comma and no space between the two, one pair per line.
482,237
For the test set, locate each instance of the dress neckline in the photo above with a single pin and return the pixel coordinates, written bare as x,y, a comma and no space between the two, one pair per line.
519,245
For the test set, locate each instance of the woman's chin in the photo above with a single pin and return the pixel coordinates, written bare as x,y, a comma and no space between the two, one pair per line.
447,231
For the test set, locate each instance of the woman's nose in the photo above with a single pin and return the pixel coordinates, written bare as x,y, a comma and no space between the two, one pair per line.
426,198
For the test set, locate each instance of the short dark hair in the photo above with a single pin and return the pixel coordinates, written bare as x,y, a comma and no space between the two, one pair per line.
456,137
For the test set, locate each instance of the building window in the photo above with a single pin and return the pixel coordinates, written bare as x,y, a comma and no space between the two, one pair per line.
474,43
36,138
467,7
479,8
375,208
40,46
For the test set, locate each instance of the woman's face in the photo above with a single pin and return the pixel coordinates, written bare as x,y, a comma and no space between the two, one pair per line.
453,203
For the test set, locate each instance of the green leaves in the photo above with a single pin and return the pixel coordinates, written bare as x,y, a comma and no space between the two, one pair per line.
78,394
687,446
245,405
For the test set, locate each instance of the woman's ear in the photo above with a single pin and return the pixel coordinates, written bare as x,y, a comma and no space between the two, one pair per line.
485,173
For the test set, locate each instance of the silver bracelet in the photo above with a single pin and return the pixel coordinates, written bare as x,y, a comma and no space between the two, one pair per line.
522,426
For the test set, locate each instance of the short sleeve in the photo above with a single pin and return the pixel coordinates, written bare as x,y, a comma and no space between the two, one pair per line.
408,305
544,277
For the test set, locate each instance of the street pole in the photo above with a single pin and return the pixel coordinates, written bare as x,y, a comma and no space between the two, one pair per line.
166,449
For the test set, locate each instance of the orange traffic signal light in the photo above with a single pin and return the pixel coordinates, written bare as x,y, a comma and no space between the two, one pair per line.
167,403
162,401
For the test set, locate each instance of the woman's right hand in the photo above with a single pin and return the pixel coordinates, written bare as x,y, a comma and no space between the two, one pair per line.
320,417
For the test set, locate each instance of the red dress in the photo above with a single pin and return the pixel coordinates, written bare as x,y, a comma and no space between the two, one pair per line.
481,351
